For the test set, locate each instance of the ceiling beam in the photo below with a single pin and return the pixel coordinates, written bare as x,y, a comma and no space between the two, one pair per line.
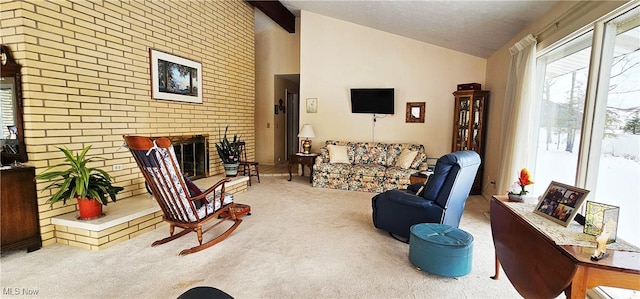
278,13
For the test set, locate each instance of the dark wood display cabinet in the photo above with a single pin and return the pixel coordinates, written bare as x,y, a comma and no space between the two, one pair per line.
469,127
19,210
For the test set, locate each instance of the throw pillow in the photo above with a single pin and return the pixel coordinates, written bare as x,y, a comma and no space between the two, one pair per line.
406,158
338,154
193,191
420,159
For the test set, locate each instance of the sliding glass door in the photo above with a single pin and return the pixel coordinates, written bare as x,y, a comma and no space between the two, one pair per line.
617,180
618,176
562,76
589,119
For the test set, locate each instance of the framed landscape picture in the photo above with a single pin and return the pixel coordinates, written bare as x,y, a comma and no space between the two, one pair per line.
175,78
560,202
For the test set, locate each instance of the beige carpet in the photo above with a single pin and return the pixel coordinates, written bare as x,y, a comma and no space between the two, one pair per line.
300,242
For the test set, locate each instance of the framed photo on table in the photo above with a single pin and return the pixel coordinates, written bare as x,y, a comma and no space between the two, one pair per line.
560,202
175,78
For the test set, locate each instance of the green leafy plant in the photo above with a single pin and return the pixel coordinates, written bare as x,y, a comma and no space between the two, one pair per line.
79,180
228,151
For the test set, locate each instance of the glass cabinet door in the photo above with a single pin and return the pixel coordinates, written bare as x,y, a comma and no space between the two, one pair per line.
477,123
464,117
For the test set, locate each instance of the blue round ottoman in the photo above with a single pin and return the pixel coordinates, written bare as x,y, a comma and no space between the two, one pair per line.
440,249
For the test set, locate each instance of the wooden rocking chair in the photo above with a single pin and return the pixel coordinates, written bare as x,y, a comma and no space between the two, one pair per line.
157,162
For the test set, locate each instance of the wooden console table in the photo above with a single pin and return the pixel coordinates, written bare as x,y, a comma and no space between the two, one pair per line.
539,268
303,159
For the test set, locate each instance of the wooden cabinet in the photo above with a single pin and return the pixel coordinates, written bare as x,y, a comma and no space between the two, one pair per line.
469,130
19,209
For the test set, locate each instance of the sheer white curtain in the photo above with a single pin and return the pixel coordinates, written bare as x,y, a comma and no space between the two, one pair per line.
517,112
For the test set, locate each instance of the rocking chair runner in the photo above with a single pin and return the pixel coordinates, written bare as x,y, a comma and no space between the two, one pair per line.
157,162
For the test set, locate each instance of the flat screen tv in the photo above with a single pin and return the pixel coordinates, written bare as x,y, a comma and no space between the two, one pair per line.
372,100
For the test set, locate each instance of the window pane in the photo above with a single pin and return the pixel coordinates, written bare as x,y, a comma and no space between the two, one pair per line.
564,84
619,170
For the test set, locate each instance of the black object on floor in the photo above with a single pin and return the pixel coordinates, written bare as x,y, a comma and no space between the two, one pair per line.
204,293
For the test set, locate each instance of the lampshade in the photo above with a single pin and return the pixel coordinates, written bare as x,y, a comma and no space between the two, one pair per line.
306,132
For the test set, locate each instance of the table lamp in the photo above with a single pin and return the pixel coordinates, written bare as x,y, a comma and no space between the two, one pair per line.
306,132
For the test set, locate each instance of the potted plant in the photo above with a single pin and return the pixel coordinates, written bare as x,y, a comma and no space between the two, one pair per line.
90,186
229,152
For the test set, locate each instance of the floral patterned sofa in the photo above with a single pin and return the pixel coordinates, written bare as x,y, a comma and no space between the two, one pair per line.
372,167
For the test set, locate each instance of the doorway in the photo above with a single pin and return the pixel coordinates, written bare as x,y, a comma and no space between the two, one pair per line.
286,118
293,122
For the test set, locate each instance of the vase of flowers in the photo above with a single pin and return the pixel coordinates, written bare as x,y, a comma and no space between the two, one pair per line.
518,190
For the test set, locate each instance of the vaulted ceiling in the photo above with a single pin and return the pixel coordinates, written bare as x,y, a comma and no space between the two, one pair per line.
477,28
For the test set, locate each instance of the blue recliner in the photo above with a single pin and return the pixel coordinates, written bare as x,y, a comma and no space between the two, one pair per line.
441,201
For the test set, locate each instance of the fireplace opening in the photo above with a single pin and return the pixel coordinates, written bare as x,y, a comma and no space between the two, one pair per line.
192,152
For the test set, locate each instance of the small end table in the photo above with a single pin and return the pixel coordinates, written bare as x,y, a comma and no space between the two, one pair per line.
302,159
420,177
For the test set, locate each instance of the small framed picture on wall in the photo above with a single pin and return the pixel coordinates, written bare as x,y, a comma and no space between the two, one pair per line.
415,112
312,105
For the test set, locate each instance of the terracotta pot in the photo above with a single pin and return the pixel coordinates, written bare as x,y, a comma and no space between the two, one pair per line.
89,208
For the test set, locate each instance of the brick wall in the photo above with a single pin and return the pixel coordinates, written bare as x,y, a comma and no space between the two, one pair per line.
86,78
